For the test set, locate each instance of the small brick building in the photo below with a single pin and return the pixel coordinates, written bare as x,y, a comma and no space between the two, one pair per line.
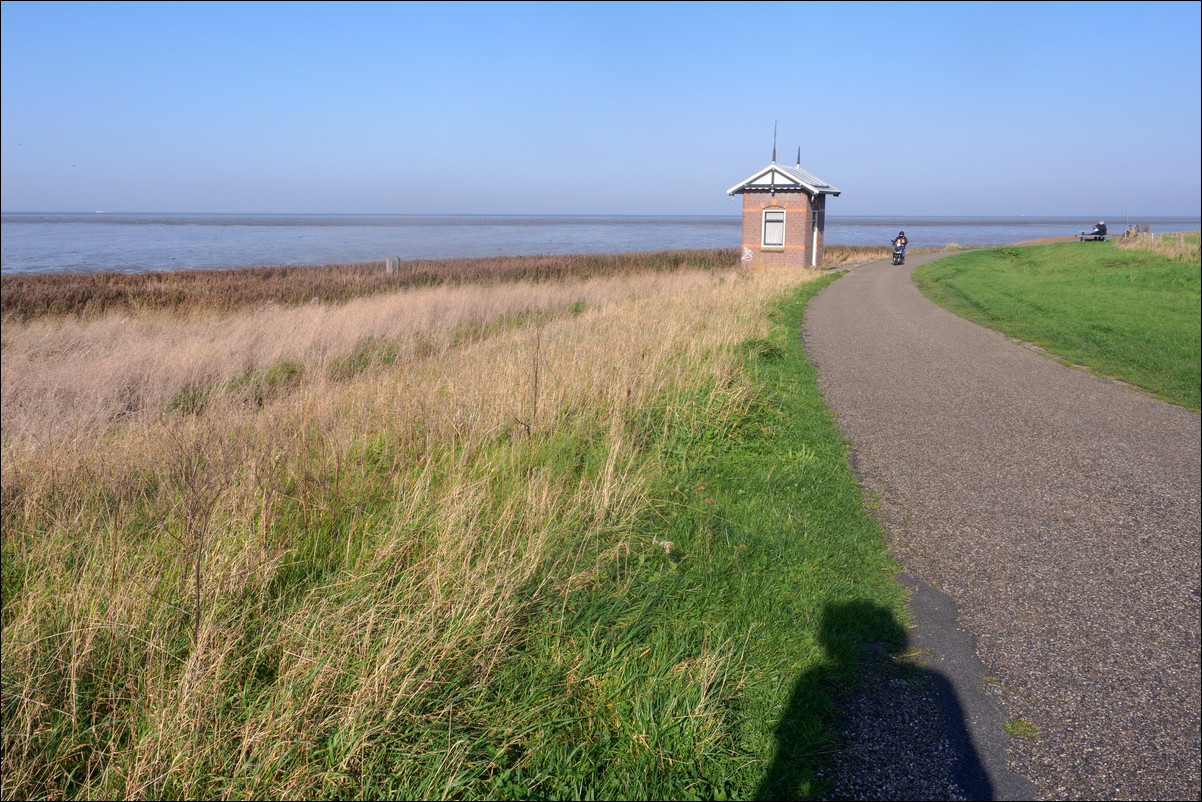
784,213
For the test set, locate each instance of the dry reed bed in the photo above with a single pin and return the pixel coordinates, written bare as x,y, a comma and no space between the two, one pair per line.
1183,246
29,295
66,375
242,601
34,294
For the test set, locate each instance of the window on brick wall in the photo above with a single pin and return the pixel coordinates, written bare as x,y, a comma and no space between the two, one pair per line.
774,228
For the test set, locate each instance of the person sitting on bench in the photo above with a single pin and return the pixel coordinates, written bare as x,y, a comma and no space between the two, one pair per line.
1099,230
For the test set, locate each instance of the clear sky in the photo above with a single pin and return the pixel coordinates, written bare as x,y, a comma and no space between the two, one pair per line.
600,108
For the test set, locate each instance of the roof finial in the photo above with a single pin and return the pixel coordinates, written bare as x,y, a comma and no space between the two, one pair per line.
799,157
774,141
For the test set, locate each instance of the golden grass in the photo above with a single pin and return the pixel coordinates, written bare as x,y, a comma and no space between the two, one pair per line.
844,255
1182,246
67,375
202,603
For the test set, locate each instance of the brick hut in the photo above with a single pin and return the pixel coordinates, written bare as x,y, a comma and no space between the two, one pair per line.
784,213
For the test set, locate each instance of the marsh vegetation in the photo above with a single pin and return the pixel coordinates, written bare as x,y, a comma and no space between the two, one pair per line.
535,537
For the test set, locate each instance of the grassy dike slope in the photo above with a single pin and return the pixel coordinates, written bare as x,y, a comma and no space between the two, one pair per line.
587,552
1124,308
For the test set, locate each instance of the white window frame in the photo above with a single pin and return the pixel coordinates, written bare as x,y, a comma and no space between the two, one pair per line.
764,229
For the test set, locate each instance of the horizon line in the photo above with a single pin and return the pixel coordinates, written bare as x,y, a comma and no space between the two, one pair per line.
733,215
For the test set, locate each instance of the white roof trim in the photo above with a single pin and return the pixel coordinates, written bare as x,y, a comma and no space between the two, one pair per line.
775,176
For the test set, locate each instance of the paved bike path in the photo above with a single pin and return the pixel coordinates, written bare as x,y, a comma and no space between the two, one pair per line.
1059,510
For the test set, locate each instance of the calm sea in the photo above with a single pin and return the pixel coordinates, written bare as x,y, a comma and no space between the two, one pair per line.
134,242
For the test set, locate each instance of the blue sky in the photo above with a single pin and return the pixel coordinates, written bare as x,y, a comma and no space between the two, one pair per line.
607,108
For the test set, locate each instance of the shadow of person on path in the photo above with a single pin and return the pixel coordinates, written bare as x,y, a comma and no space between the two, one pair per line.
900,730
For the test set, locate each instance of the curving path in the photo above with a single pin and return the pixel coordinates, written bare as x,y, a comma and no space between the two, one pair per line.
1059,510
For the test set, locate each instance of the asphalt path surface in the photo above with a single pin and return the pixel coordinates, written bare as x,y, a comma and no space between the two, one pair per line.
1060,512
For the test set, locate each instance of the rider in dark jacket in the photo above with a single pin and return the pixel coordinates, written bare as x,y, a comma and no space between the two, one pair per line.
900,239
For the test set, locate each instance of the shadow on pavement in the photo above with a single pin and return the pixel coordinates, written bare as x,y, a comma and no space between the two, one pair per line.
901,730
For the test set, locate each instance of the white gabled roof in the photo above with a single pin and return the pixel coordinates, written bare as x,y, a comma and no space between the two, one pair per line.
775,176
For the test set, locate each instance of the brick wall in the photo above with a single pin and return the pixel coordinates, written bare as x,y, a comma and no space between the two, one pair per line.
798,225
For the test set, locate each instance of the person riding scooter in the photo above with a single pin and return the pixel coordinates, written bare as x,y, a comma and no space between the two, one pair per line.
899,248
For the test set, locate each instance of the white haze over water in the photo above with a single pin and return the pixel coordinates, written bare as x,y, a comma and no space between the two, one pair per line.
36,243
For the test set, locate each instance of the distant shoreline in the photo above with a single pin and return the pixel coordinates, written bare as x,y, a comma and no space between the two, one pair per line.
107,215
81,243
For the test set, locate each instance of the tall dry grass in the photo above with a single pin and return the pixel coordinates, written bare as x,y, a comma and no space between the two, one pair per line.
26,295
834,256
31,295
68,375
1182,246
298,596
844,255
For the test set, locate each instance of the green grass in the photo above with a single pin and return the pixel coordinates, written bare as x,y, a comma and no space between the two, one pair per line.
1021,728
1130,314
705,668
770,572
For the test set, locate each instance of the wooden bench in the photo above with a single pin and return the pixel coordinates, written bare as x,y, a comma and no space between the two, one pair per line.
1092,237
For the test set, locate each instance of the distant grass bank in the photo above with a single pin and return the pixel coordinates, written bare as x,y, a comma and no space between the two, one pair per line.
1126,308
585,543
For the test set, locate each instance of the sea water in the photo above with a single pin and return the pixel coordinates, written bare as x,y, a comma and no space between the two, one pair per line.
33,243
